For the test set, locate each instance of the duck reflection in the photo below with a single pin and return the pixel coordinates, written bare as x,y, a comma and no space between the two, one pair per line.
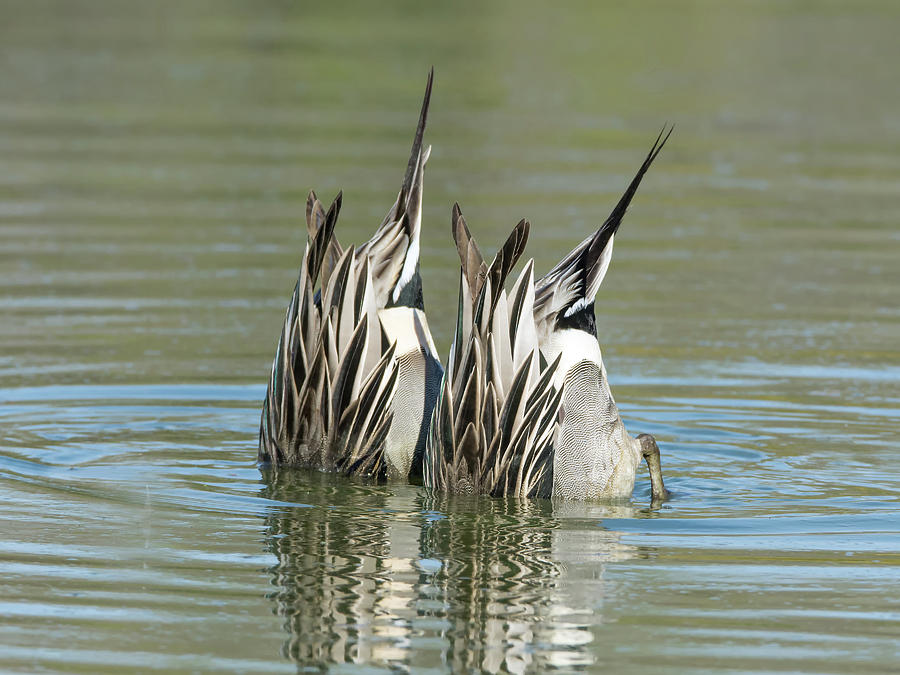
335,580
496,580
397,577
505,581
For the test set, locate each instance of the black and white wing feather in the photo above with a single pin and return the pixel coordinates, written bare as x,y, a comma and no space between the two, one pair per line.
324,408
495,419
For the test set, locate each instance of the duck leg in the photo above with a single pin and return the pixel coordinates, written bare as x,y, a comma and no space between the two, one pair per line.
650,451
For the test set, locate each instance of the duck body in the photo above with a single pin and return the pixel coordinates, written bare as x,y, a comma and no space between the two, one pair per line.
355,374
560,434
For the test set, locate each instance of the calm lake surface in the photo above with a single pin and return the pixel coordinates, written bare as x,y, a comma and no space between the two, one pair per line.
154,165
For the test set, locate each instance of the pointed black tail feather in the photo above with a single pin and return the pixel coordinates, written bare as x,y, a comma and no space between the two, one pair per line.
614,220
413,164
573,283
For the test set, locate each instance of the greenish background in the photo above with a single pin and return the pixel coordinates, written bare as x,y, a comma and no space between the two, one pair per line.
154,165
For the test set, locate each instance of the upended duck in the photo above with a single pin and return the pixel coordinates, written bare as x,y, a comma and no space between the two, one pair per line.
356,373
593,454
505,426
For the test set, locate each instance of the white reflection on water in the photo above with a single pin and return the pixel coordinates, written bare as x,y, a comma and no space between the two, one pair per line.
482,584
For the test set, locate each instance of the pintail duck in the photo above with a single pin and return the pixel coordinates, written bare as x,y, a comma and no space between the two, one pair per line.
356,373
493,426
503,425
593,455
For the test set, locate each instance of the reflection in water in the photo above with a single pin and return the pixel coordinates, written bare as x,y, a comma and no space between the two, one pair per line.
333,579
397,576
497,576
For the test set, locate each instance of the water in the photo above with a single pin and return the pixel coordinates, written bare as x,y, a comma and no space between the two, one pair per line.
154,163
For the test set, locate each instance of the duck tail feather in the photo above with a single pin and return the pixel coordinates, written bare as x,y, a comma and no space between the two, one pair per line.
598,253
413,165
